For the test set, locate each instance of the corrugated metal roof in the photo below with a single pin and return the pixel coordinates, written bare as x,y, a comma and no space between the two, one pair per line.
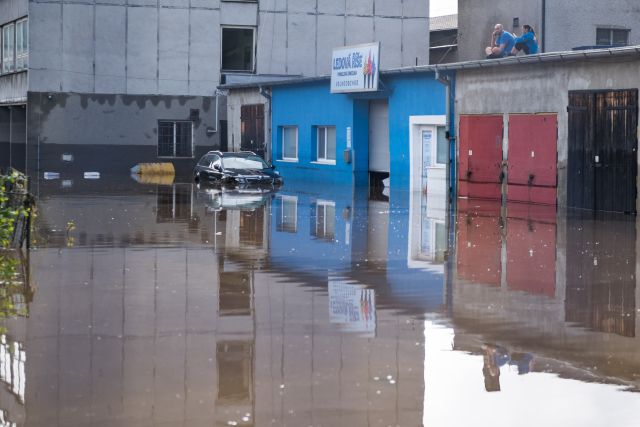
531,60
445,22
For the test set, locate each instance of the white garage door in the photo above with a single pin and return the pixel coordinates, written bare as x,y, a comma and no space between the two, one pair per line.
379,136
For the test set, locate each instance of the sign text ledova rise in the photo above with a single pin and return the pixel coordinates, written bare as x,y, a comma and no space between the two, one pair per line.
355,68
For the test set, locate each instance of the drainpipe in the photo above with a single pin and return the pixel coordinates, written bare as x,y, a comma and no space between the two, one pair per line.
544,25
446,81
267,125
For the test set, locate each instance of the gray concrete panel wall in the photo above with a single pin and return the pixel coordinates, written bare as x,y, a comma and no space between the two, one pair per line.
540,88
110,50
298,37
10,10
272,43
142,48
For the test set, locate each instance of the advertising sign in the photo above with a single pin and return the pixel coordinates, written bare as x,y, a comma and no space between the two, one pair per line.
355,68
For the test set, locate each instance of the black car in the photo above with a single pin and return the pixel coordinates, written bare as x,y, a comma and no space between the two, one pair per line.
238,169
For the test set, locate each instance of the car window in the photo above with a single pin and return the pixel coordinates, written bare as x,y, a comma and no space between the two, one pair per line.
248,162
205,160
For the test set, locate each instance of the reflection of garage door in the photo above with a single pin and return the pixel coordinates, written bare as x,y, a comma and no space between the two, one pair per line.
379,136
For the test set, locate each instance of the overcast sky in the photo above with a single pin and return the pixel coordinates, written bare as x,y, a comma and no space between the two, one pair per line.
443,7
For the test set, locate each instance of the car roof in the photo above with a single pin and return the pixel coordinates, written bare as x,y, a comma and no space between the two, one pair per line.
233,153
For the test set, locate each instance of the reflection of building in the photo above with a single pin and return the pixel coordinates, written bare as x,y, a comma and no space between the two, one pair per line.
574,300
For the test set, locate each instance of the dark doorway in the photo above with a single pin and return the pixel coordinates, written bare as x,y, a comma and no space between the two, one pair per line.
602,164
252,128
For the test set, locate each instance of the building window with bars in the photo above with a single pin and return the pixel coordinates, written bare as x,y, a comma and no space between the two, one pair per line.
8,64
175,138
326,144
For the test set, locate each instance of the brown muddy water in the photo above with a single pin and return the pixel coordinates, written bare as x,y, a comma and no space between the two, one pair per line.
154,305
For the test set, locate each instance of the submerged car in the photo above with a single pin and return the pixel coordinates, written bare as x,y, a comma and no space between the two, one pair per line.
243,168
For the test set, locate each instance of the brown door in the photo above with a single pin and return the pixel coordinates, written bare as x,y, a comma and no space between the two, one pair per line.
252,128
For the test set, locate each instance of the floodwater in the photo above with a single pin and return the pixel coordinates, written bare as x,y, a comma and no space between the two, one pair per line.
184,306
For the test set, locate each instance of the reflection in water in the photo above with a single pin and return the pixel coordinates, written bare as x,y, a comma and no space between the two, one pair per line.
194,306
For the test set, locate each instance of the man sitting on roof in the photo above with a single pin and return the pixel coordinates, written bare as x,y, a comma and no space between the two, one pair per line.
527,42
502,43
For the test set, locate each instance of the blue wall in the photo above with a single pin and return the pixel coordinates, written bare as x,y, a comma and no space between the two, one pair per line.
312,104
412,95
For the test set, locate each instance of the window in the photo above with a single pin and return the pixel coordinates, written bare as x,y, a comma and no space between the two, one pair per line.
323,224
442,148
289,143
238,47
175,139
7,48
611,36
326,142
287,214
22,45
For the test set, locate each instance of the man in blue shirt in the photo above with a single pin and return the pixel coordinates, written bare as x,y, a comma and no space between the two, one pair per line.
527,42
502,43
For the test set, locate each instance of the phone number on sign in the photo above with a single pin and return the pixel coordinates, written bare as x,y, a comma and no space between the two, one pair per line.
348,83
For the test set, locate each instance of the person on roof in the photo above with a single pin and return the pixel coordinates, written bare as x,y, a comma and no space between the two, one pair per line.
502,43
527,42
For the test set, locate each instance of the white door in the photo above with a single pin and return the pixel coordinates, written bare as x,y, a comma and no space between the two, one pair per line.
379,136
426,139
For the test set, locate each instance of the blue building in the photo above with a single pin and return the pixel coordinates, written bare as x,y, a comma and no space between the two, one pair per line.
399,131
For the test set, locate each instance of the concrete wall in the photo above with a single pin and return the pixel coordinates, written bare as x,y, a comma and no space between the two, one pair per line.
10,10
172,47
569,23
111,133
536,88
298,37
136,47
476,19
572,23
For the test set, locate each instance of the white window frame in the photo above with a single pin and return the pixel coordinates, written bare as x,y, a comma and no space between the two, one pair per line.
322,204
253,48
11,59
174,140
21,58
294,201
288,159
324,158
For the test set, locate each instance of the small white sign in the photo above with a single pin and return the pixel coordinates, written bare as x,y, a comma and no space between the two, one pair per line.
355,68
349,137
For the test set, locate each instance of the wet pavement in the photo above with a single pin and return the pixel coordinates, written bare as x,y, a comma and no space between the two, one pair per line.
174,305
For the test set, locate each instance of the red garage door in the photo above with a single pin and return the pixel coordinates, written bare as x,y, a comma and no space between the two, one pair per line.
532,158
480,157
